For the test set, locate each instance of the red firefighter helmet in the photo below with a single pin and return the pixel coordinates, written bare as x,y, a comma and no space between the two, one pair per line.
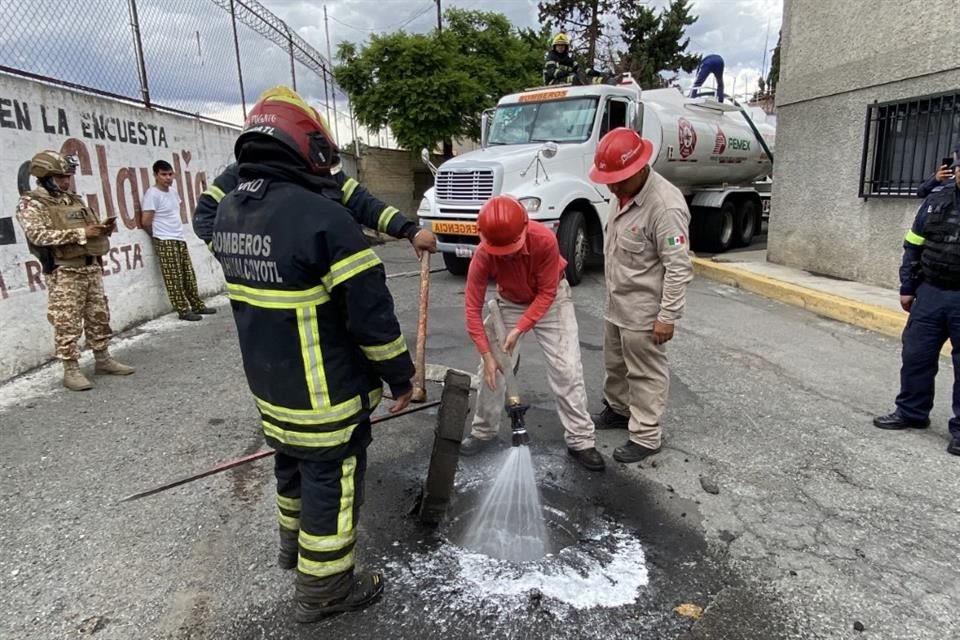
503,225
622,153
284,116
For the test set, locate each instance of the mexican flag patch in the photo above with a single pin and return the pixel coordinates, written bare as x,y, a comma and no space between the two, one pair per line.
676,241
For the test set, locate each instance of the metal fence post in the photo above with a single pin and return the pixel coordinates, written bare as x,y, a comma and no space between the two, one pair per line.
142,67
236,47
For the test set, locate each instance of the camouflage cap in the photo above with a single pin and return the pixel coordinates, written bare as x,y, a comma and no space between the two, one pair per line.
51,163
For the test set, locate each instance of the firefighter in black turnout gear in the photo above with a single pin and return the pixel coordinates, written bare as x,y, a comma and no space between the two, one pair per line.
365,208
930,293
319,337
559,66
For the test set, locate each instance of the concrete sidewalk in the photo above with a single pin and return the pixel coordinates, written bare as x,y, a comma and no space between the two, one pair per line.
862,305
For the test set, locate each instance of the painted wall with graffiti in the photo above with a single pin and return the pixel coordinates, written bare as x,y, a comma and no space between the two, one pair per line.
116,144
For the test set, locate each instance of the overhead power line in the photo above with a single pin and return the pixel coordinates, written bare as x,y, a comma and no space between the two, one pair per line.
396,25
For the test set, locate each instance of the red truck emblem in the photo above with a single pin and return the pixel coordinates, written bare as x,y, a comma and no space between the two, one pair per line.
688,137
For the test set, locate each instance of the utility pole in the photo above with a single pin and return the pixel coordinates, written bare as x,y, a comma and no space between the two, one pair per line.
333,89
439,18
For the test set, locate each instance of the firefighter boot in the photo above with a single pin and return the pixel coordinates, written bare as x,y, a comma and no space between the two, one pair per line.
318,598
73,378
289,549
106,364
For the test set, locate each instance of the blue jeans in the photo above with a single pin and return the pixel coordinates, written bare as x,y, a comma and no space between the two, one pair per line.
712,64
934,317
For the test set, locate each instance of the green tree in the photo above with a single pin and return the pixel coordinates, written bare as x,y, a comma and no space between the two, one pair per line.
656,42
582,20
433,88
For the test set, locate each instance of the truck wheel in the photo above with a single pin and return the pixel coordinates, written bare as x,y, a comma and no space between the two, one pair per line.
574,245
746,223
717,228
455,265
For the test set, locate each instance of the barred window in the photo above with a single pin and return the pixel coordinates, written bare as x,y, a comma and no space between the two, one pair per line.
905,142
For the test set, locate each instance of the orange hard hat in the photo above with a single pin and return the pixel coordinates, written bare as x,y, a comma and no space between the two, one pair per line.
622,153
503,225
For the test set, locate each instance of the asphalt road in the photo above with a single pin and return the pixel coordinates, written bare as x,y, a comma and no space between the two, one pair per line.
821,521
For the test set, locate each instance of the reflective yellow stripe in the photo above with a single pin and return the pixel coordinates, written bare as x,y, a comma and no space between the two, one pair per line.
320,415
387,351
215,192
348,188
312,357
375,396
350,266
309,439
914,238
278,298
325,569
385,218
290,504
327,543
292,524
345,517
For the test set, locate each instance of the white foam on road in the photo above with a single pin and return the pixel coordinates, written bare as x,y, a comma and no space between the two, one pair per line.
47,379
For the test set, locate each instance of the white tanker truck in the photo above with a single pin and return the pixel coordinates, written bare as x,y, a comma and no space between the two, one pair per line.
538,145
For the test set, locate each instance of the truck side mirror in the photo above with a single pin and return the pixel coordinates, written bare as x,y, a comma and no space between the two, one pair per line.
425,156
484,126
548,150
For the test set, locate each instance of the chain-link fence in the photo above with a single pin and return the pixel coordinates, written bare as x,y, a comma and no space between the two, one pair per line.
205,58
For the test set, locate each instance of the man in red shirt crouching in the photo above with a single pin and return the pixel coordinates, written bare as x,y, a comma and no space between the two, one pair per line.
522,256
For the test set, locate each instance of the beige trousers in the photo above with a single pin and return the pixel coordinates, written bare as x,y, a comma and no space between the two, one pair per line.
559,337
637,381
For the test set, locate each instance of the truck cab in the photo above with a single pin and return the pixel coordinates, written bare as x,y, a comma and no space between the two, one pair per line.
538,146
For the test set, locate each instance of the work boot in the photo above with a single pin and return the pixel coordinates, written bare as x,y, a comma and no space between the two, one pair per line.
107,365
954,446
633,452
610,419
205,311
312,605
590,459
73,378
190,315
289,549
896,422
473,445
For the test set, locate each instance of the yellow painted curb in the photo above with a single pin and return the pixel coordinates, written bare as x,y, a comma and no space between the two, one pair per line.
854,312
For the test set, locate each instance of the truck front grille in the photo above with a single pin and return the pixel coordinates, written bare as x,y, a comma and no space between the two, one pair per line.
464,186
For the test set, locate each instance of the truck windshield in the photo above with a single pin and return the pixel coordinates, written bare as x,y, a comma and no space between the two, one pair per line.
568,120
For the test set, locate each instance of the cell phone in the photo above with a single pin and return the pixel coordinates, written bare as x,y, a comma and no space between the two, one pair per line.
110,222
947,161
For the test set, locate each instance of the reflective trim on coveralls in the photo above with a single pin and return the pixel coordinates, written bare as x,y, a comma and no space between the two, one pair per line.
278,298
308,439
344,537
382,352
914,238
385,218
214,192
348,188
323,415
350,266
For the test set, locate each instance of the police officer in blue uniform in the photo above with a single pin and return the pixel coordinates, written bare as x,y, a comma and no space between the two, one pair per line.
930,293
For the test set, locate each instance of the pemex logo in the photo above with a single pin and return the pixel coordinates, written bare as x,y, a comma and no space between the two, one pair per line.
720,142
688,137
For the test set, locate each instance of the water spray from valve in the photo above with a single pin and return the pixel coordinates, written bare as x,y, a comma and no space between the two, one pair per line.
515,408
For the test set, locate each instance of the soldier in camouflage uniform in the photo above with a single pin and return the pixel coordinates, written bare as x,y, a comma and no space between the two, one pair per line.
70,240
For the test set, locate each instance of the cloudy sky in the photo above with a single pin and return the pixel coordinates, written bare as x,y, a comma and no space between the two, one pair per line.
191,64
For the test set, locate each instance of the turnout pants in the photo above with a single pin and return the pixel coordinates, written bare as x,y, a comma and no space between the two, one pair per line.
76,304
559,337
637,381
178,275
934,317
321,500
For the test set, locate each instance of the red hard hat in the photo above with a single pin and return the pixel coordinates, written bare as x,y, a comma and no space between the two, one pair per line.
622,153
503,225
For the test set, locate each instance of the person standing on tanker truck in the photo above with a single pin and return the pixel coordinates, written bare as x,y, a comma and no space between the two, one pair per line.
523,258
70,241
161,221
365,208
647,267
710,65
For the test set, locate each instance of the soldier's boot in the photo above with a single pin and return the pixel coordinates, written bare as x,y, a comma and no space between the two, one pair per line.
318,598
289,549
107,365
73,378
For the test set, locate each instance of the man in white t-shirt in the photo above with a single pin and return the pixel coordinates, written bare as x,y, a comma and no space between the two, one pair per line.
161,220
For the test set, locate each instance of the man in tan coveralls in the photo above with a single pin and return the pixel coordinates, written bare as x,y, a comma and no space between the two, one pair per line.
69,240
647,265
